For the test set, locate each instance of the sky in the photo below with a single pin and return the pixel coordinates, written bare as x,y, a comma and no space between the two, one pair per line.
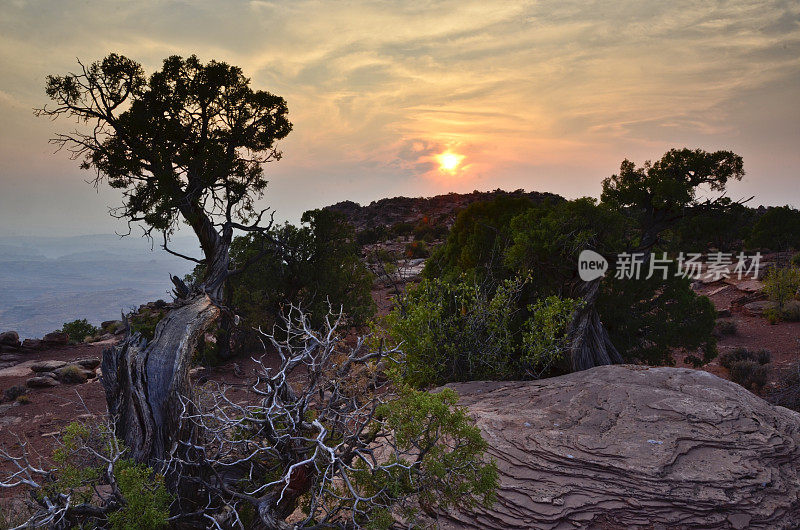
420,98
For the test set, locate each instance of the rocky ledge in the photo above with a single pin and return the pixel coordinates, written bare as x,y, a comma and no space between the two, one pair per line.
632,447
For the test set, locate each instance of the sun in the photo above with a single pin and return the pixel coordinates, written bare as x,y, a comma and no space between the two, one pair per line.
449,162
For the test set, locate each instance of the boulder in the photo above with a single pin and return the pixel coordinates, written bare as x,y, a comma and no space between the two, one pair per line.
634,447
89,364
10,338
56,338
41,381
47,366
757,308
32,344
73,374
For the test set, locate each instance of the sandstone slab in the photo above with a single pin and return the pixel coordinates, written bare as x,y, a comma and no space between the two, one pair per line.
633,447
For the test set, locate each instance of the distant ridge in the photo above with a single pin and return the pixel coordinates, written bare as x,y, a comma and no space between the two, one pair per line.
411,209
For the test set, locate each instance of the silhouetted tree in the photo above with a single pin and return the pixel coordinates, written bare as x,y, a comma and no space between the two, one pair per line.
186,144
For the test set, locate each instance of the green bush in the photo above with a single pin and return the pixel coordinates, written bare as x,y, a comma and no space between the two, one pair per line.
79,330
312,265
91,458
449,474
457,331
145,321
781,285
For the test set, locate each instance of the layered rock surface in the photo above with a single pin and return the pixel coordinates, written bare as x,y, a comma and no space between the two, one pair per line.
632,447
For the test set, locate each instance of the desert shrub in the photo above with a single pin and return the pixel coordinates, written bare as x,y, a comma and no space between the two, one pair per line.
749,374
795,261
93,485
401,229
372,235
12,393
545,334
417,249
725,327
147,500
791,311
311,265
781,285
78,330
788,392
458,331
145,320
72,374
23,399
728,358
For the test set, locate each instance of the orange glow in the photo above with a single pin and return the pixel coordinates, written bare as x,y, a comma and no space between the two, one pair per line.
449,162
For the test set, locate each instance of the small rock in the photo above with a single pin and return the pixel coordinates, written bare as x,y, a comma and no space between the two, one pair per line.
56,338
47,366
723,313
10,338
41,381
89,364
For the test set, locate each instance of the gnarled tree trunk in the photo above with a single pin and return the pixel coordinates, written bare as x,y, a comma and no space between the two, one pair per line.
589,343
143,381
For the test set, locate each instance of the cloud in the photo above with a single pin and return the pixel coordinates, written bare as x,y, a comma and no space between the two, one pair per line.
517,85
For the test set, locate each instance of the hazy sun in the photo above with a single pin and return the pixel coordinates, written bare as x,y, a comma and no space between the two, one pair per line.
449,161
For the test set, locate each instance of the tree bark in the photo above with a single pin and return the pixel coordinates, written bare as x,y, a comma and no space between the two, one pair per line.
589,342
143,381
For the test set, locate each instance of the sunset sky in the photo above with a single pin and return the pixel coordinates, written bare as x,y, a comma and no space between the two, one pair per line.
420,98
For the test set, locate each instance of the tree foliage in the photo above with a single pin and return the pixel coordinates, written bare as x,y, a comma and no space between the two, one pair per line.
310,265
776,229
188,143
645,320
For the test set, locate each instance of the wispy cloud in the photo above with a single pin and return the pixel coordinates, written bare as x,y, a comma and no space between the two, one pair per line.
521,88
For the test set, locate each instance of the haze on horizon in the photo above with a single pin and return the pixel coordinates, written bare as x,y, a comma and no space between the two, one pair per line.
393,98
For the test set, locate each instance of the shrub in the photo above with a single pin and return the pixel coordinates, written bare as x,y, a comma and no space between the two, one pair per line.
457,331
94,485
145,321
78,330
795,261
791,311
23,399
749,374
728,358
781,284
788,391
313,265
417,249
725,327
14,392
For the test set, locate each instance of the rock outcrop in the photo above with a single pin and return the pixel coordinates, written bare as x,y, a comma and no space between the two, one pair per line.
632,447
